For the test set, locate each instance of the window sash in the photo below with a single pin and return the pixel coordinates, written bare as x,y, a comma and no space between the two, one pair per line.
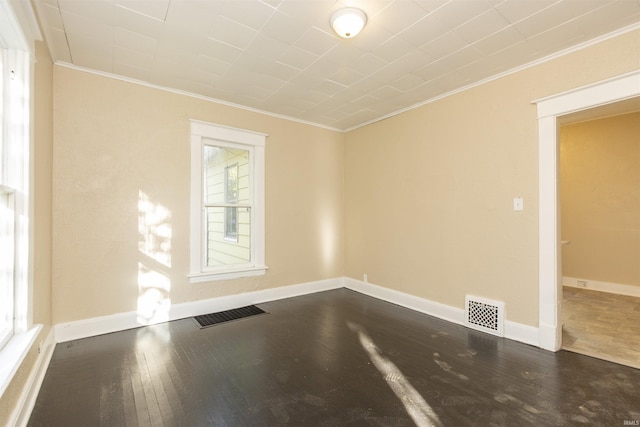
251,198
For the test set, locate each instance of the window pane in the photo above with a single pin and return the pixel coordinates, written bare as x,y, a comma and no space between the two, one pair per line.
221,248
226,173
7,245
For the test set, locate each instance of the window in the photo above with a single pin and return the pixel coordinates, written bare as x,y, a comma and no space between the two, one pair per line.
227,203
18,30
14,187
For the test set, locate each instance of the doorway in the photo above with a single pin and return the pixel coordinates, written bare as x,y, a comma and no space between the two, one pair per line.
599,176
612,93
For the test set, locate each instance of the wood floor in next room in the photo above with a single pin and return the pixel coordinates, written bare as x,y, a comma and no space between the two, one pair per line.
335,358
602,325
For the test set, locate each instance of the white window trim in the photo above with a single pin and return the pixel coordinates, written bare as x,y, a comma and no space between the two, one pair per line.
200,132
19,30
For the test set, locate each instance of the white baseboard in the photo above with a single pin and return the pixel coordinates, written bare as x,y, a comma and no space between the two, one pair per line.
27,400
594,285
435,309
122,321
512,330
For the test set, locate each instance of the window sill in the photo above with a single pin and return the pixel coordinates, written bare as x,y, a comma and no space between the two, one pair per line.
227,274
12,355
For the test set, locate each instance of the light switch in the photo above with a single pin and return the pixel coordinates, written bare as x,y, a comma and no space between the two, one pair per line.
518,204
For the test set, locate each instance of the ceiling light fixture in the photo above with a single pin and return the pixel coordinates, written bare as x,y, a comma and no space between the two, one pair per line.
348,22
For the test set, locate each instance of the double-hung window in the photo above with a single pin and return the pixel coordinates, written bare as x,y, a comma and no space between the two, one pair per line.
17,332
227,202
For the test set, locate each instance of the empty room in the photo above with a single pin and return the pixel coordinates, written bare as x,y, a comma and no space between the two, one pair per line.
252,213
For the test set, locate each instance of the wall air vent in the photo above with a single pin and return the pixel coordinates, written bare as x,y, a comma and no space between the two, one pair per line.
484,315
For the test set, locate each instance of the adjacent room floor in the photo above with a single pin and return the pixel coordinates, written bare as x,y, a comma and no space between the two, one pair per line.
602,325
334,358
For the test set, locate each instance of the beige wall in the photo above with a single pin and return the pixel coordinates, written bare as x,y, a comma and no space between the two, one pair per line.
429,193
115,141
600,199
43,144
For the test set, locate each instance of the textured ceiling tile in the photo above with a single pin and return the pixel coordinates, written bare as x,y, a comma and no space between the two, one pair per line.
231,32
411,61
60,48
202,77
269,82
189,17
393,49
280,71
609,17
426,30
156,9
343,54
131,71
212,65
482,26
498,41
329,87
52,16
284,28
297,58
252,14
430,5
444,45
346,76
372,36
407,82
385,92
316,41
516,10
400,15
455,13
96,10
220,51
266,47
548,18
132,58
134,41
91,53
138,23
369,63
84,26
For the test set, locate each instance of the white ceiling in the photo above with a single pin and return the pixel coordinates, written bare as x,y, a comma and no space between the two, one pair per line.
281,56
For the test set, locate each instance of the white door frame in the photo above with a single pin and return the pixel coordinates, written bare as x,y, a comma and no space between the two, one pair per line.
549,109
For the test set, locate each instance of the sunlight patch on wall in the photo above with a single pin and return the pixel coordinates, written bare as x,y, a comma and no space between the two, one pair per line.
154,265
328,241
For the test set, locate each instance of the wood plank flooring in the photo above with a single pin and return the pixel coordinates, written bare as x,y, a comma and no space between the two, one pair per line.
602,325
336,358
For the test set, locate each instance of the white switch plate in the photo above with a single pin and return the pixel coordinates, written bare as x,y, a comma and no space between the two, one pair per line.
518,204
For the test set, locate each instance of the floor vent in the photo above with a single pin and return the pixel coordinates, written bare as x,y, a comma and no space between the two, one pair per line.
207,320
484,315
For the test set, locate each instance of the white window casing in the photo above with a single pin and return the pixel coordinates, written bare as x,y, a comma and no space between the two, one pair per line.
18,30
213,135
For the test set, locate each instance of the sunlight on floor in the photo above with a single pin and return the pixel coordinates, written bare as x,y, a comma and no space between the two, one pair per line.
418,409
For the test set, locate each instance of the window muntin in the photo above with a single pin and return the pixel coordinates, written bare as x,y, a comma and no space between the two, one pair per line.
227,202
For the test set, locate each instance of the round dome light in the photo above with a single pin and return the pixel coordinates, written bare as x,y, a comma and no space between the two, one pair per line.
348,22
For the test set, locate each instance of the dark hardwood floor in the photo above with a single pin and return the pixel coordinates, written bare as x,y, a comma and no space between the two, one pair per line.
335,358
